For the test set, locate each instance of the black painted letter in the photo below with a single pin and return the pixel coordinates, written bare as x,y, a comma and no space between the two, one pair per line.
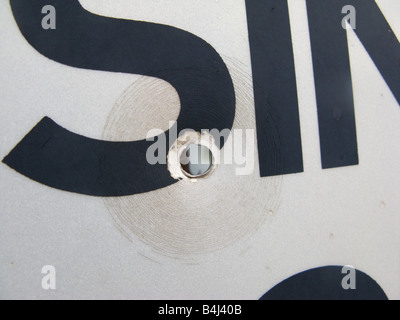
61,159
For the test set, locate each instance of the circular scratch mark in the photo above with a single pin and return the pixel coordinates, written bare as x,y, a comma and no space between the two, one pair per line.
149,103
187,219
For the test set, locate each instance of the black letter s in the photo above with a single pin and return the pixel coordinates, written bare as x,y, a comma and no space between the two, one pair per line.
58,158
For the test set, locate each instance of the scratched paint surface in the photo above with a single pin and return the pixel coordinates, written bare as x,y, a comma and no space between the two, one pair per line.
333,217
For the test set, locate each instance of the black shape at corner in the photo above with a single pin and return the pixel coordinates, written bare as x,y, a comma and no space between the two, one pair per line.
325,283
